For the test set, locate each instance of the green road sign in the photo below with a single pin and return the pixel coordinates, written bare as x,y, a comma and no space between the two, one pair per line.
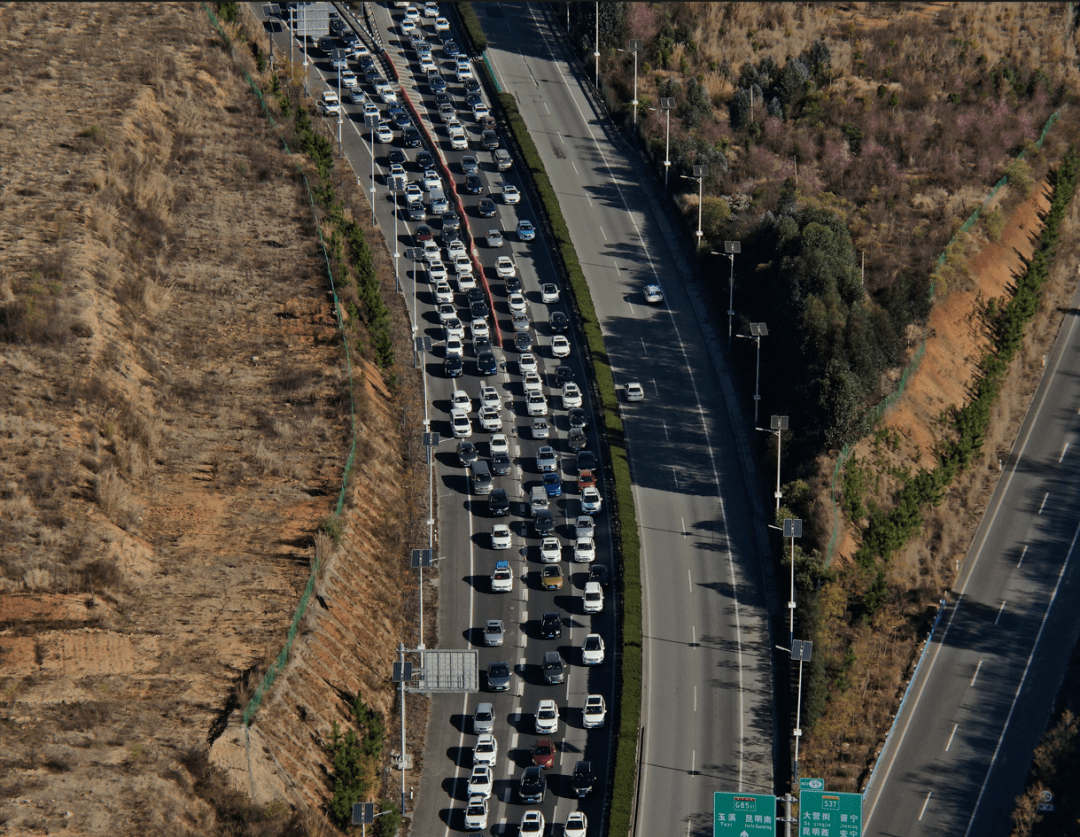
743,814
826,814
811,784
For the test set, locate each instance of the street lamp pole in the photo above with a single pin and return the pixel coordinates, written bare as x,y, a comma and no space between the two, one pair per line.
666,105
635,45
341,107
700,173
778,424
401,674
596,48
792,529
757,331
371,122
421,558
731,249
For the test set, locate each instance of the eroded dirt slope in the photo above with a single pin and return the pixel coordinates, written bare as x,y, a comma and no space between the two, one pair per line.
173,420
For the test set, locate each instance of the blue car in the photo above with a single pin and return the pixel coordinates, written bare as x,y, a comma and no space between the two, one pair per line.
553,484
526,231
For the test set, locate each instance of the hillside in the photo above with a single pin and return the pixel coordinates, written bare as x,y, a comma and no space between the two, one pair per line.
175,418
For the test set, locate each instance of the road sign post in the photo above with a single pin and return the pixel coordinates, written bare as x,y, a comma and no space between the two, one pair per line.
744,815
828,814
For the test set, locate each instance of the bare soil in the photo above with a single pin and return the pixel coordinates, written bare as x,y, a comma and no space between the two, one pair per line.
175,422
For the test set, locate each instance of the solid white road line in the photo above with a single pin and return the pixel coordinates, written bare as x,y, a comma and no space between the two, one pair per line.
925,803
1063,452
975,676
1000,609
1042,505
947,746
1022,554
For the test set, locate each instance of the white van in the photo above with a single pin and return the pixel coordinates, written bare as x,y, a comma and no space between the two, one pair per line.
539,500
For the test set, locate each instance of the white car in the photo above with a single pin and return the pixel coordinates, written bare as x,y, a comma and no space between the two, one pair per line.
593,597
431,180
442,24
577,825
479,329
590,500
414,194
454,329
437,272
463,265
494,238
584,527
549,293
499,444
370,109
520,321
456,248
388,97
653,294
384,133
480,110
532,824
476,813
510,194
466,281
635,392
500,536
489,397
446,312
443,291
430,251
592,650
459,400
515,301
527,362
446,112
546,459
571,395
408,26
532,383
547,718
490,419
550,551
584,550
480,781
454,347
506,268
459,421
412,13
595,712
431,10
458,141
427,65
348,78
560,346
536,404
486,750
502,578
329,104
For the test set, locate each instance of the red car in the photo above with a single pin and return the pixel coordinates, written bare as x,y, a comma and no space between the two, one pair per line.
586,479
544,753
423,233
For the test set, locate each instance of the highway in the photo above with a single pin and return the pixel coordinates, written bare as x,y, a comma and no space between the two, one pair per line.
708,714
960,750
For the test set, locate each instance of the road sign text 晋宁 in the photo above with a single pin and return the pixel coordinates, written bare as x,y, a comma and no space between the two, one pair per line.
827,814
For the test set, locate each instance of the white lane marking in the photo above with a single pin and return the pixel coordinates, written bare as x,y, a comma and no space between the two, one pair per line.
975,676
666,434
947,746
656,389
693,636
1022,554
643,349
682,522
604,234
925,803
1000,610
693,762
1063,452
695,698
1042,505
575,167
675,474
546,108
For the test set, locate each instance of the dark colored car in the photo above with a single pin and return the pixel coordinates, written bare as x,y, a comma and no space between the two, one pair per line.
479,310
467,453
473,98
562,375
437,84
544,754
500,464
578,417
499,503
415,211
442,99
450,49
486,363
586,461
551,626
411,137
576,439
454,367
473,184
450,236
498,677
489,140
513,285
481,345
559,322
554,669
599,573
532,785
471,84
402,120
423,233
486,208
523,341
450,221
470,165
475,295
582,780
544,523
425,161
398,156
